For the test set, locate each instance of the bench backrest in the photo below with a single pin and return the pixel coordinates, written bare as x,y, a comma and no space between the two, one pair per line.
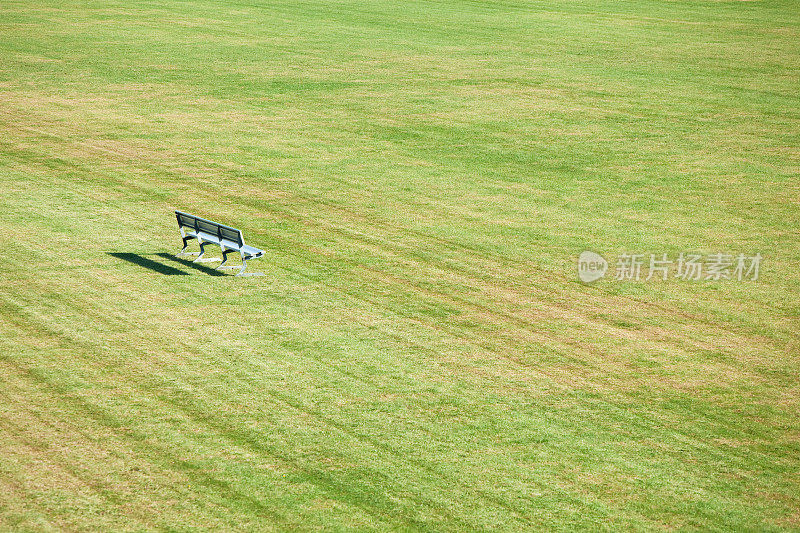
200,225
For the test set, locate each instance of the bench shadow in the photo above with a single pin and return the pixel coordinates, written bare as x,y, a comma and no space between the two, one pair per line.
155,266
197,266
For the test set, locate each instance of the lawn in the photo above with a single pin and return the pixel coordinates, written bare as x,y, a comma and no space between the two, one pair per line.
420,353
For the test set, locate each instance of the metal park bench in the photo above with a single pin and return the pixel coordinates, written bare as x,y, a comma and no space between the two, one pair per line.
230,240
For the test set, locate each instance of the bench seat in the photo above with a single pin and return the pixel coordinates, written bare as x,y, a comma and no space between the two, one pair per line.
251,251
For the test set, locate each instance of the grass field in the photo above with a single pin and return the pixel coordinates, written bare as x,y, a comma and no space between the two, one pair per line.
420,354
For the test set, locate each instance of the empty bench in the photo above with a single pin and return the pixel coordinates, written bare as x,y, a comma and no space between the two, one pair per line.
230,240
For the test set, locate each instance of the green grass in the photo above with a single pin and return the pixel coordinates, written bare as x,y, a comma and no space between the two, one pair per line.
420,354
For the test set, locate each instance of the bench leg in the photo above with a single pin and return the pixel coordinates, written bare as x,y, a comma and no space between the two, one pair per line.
243,273
202,251
185,246
224,259
201,259
223,266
